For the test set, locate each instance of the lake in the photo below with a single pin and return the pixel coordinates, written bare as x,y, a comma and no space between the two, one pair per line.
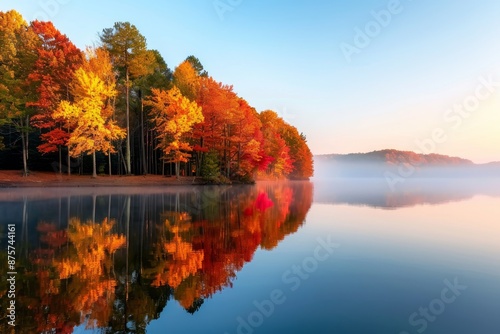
328,256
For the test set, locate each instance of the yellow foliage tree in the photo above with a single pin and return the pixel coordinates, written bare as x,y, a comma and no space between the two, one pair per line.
187,80
174,116
18,44
91,113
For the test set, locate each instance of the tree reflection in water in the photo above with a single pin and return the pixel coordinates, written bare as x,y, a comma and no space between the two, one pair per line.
185,246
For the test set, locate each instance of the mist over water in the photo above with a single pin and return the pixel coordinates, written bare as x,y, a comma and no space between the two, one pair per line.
324,169
384,193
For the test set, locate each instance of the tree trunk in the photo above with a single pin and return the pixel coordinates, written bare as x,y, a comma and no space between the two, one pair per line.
27,133
127,153
94,171
144,164
199,157
60,159
227,151
69,163
109,163
69,159
24,143
177,166
25,157
123,161
109,154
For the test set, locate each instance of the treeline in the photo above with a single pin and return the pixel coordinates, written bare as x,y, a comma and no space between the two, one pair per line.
122,105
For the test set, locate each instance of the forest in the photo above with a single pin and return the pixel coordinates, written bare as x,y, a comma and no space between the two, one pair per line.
117,108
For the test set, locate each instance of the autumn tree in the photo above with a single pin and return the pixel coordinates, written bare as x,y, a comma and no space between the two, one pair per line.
91,112
198,67
299,152
58,59
160,78
210,168
174,116
218,103
232,128
18,45
246,141
187,80
291,154
130,55
275,146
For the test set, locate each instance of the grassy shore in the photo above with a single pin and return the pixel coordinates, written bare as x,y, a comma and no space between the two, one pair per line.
10,179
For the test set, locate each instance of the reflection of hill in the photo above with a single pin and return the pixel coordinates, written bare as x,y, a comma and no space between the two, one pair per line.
113,261
377,193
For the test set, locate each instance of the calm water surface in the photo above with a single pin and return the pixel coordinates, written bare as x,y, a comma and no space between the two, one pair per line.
333,256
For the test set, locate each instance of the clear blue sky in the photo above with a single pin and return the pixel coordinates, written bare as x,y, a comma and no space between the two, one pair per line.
287,56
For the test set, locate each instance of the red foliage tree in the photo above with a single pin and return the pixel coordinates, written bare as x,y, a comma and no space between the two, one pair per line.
58,59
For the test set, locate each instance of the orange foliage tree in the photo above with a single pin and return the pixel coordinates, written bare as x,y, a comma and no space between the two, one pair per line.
231,128
174,116
275,146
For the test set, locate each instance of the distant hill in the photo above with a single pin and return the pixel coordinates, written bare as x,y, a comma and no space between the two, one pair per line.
378,163
395,157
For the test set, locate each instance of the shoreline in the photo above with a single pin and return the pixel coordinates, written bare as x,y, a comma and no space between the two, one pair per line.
15,179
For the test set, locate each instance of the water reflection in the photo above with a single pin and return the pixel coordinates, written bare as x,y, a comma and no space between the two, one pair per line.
376,192
114,260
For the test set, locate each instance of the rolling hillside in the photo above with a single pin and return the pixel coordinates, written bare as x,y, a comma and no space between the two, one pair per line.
401,163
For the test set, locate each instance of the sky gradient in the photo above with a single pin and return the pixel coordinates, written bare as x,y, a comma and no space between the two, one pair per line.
425,77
